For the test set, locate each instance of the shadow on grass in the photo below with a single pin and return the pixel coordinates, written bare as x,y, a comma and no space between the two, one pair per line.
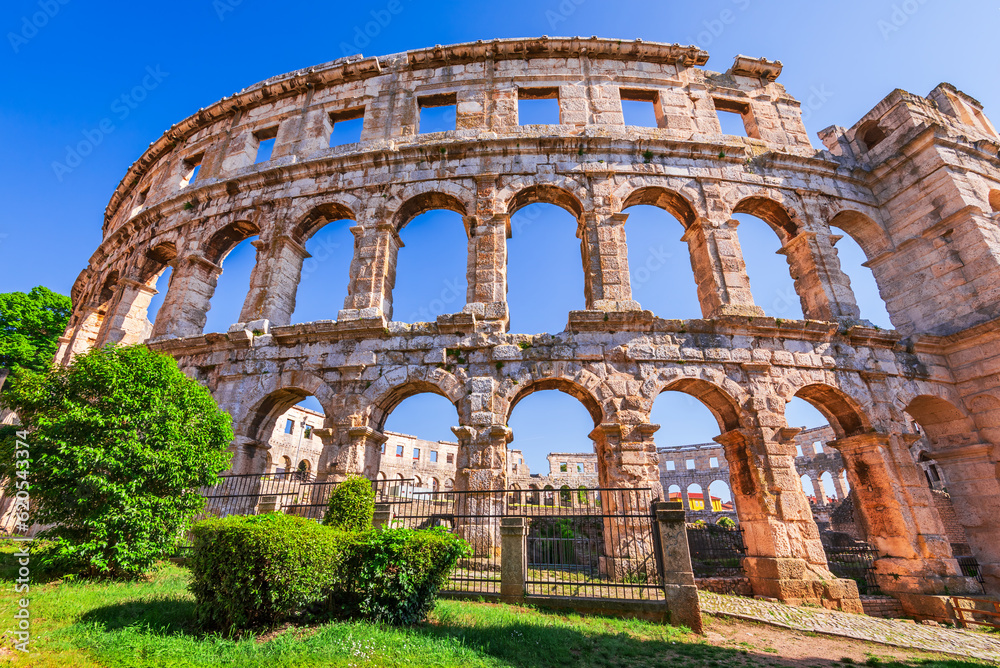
542,640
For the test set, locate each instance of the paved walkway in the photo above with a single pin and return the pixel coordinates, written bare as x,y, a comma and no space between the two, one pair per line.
860,627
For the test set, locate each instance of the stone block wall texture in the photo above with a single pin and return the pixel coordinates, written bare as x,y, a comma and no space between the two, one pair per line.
916,181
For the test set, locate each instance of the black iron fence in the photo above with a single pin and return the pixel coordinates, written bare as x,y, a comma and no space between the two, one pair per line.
970,568
294,493
854,562
590,543
716,552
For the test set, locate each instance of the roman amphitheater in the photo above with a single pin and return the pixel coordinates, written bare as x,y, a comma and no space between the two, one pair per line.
915,181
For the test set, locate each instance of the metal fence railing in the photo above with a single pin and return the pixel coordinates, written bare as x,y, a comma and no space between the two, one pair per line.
970,568
855,562
716,552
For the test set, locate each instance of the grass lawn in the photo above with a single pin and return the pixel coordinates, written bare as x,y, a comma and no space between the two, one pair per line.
84,624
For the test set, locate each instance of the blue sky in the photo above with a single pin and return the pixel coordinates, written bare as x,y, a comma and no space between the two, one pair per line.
119,77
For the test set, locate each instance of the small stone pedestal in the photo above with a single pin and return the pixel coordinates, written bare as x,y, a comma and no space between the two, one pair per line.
680,591
513,558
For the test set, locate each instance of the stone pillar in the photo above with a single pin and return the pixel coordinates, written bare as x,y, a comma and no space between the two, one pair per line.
373,272
785,558
481,466
820,491
719,269
360,455
822,286
627,456
126,321
899,518
274,281
487,267
605,263
974,487
513,558
839,489
680,591
184,310
83,336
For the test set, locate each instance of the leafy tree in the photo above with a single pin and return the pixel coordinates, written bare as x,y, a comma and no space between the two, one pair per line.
119,441
30,327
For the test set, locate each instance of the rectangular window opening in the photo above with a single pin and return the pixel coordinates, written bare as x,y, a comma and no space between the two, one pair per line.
689,464
671,466
451,458
265,144
346,126
734,118
713,463
798,450
639,108
579,468
308,433
289,426
563,467
438,113
538,106
399,451
143,194
416,453
434,455
190,169
818,447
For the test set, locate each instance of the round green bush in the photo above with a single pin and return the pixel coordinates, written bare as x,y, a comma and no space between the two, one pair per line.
352,505
726,523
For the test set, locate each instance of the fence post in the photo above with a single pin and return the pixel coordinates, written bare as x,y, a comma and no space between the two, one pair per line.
683,606
513,558
382,516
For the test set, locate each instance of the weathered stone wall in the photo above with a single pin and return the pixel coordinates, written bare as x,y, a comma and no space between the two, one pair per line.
916,182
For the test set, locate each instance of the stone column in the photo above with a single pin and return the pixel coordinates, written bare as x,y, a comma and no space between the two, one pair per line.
824,289
974,487
627,456
83,336
184,310
605,263
899,518
274,281
513,558
373,272
126,321
839,489
785,558
360,456
680,591
481,466
487,267
719,269
820,491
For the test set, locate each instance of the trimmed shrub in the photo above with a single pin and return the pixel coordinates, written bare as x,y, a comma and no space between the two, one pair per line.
726,523
252,572
352,505
394,576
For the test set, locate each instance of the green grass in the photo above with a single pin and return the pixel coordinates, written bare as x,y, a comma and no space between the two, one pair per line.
83,624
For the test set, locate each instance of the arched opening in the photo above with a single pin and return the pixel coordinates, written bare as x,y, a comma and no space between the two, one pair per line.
326,235
657,258
419,442
696,498
862,239
870,135
155,273
808,489
674,493
544,250
994,199
549,417
834,407
721,497
231,248
292,445
432,265
764,227
829,488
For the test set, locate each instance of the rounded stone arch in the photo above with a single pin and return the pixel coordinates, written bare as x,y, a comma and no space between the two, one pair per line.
318,216
566,194
414,202
994,200
863,229
152,263
381,404
942,420
226,238
664,198
107,287
720,401
773,210
278,395
568,386
844,413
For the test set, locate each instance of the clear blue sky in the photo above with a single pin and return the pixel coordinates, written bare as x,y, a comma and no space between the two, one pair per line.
67,65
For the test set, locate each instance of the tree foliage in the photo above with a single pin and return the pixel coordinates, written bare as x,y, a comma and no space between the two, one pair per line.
120,441
30,327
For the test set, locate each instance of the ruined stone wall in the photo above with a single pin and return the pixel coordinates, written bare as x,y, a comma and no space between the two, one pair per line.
916,182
